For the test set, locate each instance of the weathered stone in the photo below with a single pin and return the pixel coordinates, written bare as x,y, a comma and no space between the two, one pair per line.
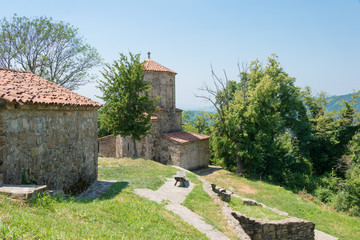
291,228
54,148
225,196
107,146
250,202
22,192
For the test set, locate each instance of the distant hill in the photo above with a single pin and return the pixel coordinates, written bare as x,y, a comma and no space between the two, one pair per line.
335,103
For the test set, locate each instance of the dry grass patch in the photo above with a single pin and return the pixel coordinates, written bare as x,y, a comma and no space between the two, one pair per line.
229,180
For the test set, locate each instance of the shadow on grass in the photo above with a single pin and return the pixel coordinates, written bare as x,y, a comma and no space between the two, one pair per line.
110,193
114,190
207,171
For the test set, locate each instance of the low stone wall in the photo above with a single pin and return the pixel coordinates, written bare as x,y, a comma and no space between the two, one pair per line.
222,193
107,146
258,229
287,229
51,145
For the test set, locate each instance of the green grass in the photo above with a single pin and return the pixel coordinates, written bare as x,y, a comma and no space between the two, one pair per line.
204,205
327,220
254,211
137,173
118,214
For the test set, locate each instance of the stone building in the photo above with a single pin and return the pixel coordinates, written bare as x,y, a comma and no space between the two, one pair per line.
48,134
166,143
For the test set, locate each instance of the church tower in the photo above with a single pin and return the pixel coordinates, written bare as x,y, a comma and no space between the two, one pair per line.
162,81
166,142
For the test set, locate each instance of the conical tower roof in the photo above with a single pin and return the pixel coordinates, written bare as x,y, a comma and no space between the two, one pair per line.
153,66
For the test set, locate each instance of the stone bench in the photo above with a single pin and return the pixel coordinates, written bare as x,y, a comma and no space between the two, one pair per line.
22,192
180,177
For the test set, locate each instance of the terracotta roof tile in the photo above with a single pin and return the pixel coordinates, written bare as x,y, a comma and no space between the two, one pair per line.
153,117
164,109
105,137
25,87
185,137
153,66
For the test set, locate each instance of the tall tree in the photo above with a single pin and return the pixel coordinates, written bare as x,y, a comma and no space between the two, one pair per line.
128,106
331,131
257,117
52,50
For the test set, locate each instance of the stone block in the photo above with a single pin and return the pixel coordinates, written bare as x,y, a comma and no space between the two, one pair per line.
250,202
225,196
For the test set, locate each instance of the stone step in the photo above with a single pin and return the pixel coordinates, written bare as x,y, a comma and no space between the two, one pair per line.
21,192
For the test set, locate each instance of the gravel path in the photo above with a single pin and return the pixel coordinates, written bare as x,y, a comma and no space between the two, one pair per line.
174,196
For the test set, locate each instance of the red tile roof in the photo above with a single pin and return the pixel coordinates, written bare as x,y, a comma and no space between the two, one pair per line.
185,137
152,117
105,137
25,87
164,109
153,66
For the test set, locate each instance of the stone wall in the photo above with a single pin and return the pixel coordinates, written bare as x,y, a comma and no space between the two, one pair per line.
169,120
146,148
191,155
163,84
287,229
107,146
53,145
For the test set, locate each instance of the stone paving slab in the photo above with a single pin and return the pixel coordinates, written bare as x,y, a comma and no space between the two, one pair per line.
192,218
167,192
319,235
21,192
176,195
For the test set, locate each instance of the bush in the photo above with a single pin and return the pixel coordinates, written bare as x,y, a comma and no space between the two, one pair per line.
340,201
324,194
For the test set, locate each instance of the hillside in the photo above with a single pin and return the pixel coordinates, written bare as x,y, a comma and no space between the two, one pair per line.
121,214
335,102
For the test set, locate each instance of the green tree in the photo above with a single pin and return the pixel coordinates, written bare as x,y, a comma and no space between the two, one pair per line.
260,119
52,50
128,106
102,131
197,122
331,132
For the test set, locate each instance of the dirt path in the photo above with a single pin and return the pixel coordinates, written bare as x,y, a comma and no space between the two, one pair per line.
174,196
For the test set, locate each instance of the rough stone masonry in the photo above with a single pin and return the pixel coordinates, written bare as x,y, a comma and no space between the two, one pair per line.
48,134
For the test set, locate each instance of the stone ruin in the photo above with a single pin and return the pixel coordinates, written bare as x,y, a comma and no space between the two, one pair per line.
257,229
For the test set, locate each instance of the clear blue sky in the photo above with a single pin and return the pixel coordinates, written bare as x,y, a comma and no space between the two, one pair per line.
318,42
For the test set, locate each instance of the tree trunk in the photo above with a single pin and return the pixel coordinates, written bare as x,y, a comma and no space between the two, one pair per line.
135,155
240,165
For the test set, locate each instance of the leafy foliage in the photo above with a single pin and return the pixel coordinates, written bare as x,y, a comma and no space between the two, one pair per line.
52,50
197,122
128,106
261,123
331,132
267,127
